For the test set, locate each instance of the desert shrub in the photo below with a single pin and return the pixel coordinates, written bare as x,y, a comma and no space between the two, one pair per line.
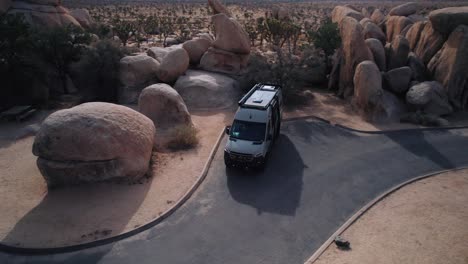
60,47
124,29
183,137
18,64
97,72
326,38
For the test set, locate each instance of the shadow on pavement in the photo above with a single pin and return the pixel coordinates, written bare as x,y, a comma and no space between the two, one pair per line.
275,190
416,143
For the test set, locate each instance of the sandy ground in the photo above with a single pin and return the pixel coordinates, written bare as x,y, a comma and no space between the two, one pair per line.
325,105
424,222
33,217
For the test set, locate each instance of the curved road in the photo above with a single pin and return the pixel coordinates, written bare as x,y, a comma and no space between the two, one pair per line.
318,176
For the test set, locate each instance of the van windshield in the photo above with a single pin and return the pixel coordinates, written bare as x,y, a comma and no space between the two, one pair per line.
250,131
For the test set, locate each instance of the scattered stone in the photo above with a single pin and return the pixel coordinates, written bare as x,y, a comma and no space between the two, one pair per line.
340,12
378,52
445,20
342,243
94,142
219,91
135,73
196,48
430,98
398,80
164,106
174,64
404,9
450,67
397,54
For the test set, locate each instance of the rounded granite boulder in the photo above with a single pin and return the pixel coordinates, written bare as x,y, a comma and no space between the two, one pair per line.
94,142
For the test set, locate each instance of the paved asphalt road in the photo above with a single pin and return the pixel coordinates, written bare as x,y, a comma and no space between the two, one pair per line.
318,176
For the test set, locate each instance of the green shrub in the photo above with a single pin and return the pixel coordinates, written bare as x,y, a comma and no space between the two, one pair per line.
97,72
183,137
326,38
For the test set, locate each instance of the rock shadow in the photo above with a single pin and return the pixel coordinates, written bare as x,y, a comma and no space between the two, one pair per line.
416,143
79,214
275,190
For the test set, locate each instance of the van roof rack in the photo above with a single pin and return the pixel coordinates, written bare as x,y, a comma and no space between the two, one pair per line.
261,96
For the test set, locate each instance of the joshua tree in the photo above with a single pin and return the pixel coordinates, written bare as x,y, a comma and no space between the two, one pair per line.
124,29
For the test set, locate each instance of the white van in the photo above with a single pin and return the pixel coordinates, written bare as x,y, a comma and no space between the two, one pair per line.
256,126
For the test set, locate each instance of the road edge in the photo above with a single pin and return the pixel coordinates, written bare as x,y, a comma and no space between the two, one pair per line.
367,207
376,132
154,222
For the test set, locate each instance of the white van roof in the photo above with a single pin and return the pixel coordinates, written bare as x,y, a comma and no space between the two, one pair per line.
260,96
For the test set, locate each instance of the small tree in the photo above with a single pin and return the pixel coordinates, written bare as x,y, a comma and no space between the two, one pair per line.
124,29
326,38
166,27
250,28
61,46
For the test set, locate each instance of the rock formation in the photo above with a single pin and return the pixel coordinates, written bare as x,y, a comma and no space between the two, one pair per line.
94,142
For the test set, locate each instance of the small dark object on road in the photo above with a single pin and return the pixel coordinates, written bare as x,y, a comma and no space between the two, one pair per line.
342,243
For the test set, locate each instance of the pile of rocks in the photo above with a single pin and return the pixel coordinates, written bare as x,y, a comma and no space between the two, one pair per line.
46,13
402,61
225,53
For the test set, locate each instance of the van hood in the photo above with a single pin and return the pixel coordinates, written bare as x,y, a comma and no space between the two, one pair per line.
244,146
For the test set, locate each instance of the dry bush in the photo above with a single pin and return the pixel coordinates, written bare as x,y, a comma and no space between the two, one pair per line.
184,137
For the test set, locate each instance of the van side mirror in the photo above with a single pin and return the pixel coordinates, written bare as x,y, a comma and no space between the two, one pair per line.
269,137
228,130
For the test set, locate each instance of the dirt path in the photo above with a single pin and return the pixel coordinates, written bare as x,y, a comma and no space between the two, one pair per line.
425,222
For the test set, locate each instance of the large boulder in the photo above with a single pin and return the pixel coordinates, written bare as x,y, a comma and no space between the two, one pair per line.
164,106
404,9
94,142
280,13
230,36
135,73
414,33
340,12
196,48
368,86
397,54
430,98
377,17
371,30
418,68
205,90
429,43
450,67
218,60
355,51
398,80
218,8
174,64
5,5
43,14
378,52
395,26
82,16
392,108
445,20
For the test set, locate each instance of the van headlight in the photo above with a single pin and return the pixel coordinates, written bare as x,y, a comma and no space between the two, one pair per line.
258,155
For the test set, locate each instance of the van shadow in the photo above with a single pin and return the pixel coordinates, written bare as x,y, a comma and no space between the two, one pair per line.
79,214
275,190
